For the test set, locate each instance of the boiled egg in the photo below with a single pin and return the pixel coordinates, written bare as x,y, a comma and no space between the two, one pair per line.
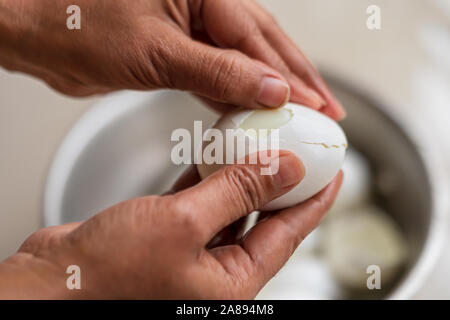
318,141
367,237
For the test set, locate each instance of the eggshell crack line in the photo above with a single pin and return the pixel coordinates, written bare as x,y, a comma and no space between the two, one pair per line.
326,146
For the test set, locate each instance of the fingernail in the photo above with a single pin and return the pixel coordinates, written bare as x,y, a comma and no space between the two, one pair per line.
290,170
273,93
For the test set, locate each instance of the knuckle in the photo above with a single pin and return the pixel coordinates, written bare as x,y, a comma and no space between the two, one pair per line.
293,232
226,73
159,65
248,35
41,240
246,185
184,215
139,213
321,204
269,19
189,221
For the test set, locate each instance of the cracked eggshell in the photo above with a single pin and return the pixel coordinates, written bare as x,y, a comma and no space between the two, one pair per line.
318,141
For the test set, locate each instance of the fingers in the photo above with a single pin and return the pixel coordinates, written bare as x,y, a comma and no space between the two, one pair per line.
302,67
295,59
237,190
222,75
229,25
272,241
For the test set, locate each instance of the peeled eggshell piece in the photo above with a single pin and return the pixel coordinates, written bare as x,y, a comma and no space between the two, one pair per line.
318,141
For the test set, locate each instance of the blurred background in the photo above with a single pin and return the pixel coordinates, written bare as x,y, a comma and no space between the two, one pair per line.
405,65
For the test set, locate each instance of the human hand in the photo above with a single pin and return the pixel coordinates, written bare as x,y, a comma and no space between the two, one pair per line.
229,51
165,246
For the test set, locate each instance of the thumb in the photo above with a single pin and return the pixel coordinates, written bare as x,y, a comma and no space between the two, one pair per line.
239,189
222,75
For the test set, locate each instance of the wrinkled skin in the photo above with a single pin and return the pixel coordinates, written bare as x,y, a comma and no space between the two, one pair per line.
219,49
188,243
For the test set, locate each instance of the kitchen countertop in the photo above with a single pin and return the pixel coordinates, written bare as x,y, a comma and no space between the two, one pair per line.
401,64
